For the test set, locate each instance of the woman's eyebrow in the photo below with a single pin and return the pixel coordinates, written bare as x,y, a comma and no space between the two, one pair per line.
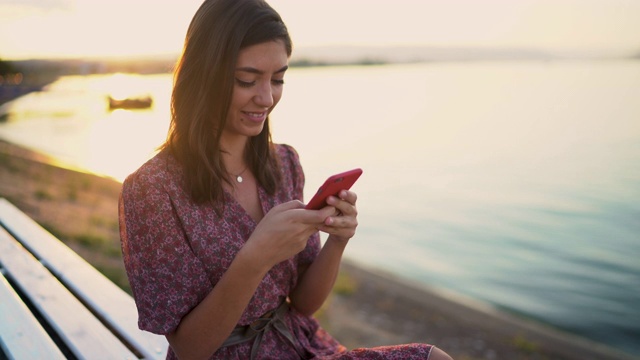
252,70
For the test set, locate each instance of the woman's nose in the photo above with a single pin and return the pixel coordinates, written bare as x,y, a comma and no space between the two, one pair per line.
264,95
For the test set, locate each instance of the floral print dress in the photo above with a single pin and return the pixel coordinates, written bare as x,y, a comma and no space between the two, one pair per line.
175,251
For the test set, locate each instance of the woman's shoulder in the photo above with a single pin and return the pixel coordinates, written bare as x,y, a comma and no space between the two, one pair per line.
287,154
290,170
159,170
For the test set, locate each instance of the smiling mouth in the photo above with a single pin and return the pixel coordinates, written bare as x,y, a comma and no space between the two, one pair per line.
255,115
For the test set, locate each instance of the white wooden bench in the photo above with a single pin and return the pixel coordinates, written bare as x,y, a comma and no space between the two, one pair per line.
55,305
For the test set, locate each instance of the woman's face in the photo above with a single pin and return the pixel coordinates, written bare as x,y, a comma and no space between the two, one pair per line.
259,79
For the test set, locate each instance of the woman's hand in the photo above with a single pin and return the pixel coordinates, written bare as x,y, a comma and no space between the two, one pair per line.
316,282
283,232
341,225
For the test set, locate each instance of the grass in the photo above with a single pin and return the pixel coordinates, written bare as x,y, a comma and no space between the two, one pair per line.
72,195
7,163
55,231
524,345
79,209
345,285
91,241
42,194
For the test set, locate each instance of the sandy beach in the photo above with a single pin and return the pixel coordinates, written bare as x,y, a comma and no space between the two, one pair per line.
368,307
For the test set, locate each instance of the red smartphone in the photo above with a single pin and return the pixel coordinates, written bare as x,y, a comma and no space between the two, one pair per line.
332,186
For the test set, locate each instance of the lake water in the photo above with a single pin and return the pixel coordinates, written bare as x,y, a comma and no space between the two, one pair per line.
514,183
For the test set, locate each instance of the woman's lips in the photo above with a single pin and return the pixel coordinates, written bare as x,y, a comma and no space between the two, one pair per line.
255,116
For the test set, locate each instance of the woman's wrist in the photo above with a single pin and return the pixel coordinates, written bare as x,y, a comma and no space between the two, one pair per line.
336,241
252,260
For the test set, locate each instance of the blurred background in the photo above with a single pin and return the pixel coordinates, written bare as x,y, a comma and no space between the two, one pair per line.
500,140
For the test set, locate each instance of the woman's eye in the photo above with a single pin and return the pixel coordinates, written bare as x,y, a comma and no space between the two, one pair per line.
278,81
245,84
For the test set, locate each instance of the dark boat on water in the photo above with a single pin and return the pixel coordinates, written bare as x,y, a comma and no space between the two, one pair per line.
130,103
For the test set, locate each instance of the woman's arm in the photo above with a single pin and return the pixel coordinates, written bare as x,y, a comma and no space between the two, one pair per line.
281,234
316,282
205,328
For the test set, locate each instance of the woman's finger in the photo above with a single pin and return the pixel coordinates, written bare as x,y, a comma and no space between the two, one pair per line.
343,207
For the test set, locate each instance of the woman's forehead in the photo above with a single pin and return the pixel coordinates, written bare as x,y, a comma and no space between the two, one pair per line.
265,57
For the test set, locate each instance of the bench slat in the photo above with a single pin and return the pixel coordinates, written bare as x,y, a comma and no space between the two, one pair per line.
81,331
21,336
114,305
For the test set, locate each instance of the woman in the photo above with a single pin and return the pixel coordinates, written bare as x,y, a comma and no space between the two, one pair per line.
222,257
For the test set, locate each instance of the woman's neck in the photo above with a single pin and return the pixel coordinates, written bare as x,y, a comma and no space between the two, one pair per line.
233,154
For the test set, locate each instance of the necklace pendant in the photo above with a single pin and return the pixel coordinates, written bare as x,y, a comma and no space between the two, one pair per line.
239,179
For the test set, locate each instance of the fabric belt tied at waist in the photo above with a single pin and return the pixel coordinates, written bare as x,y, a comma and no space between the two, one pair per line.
271,320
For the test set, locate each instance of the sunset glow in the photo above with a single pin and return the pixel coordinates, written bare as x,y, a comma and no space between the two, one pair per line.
81,28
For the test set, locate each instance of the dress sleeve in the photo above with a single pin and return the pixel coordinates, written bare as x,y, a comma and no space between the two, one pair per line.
293,172
166,277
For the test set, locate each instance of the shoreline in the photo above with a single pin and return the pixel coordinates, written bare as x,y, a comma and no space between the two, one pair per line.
369,307
462,326
31,83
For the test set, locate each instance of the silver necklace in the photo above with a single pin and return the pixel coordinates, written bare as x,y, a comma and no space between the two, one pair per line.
239,178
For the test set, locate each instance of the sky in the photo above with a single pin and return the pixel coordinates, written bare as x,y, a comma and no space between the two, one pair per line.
98,28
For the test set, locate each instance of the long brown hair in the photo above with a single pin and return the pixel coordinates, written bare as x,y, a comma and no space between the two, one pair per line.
203,89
